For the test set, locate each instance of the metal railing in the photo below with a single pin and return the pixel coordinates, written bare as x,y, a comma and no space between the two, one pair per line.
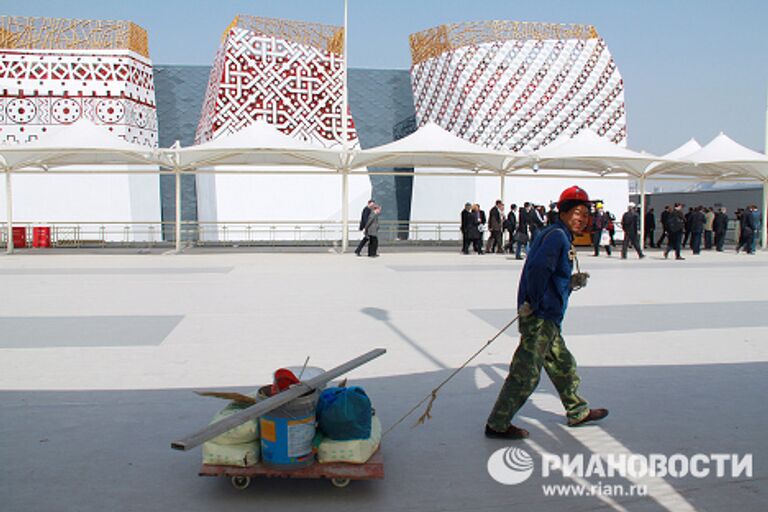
92,234
243,233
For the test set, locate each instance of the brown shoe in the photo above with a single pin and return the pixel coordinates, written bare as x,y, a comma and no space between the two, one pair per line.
594,415
512,432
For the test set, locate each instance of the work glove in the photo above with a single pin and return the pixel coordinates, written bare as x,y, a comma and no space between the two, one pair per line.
578,281
525,310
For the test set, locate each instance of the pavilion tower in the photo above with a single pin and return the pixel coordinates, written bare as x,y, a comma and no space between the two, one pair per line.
291,75
515,86
54,72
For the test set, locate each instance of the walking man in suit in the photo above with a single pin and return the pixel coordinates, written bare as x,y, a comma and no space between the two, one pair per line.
496,227
697,222
650,227
363,221
372,231
629,223
466,221
720,227
675,227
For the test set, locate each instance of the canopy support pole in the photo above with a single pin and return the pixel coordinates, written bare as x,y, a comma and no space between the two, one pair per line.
764,228
501,184
9,211
178,209
642,214
345,141
344,210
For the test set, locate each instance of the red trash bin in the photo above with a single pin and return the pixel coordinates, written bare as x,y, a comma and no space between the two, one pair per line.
19,237
41,236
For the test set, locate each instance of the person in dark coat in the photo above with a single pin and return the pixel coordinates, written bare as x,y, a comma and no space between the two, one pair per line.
372,231
748,228
757,222
629,223
363,221
664,225
650,227
466,220
473,231
696,227
522,235
675,226
599,224
552,214
720,227
511,226
687,228
536,219
496,227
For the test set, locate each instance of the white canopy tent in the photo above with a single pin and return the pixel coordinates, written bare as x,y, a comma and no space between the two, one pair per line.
723,159
587,151
676,154
81,143
433,147
256,149
81,147
258,144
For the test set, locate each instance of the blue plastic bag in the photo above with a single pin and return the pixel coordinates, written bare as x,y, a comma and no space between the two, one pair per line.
344,413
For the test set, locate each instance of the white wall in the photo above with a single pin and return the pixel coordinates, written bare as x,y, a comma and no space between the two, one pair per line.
244,199
72,199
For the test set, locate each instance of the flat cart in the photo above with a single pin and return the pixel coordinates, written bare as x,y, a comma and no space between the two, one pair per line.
340,473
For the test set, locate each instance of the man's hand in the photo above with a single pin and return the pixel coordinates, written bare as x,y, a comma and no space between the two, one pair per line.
525,310
578,281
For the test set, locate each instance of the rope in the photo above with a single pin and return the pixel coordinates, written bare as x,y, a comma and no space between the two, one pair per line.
432,396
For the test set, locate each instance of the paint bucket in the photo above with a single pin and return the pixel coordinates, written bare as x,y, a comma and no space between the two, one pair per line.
288,431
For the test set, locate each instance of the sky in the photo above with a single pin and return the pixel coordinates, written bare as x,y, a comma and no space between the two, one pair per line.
690,68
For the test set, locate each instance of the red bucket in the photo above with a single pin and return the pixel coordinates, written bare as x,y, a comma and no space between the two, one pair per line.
41,236
19,237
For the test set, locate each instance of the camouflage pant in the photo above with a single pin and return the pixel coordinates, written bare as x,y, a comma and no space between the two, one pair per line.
540,345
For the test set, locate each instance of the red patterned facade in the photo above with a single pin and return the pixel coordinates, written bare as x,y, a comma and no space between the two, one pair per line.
295,87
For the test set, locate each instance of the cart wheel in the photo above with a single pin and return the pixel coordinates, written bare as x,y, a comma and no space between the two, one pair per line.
340,482
241,482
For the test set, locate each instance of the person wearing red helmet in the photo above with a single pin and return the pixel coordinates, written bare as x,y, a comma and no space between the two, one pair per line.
545,286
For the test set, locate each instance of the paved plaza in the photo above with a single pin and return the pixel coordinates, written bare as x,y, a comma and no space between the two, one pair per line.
100,353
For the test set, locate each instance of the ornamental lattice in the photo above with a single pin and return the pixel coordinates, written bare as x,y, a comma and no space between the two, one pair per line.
41,88
271,70
31,33
517,86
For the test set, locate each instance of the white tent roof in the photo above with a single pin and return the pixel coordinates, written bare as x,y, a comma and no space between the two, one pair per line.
678,154
258,144
722,158
432,146
80,143
587,151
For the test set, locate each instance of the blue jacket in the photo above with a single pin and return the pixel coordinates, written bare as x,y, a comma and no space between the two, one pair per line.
546,276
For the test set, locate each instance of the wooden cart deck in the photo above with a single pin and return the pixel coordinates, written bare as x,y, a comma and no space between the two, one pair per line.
340,473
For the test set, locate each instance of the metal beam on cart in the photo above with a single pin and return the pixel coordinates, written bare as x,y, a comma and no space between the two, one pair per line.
273,402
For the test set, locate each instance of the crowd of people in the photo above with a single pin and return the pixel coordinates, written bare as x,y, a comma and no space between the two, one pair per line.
512,232
707,224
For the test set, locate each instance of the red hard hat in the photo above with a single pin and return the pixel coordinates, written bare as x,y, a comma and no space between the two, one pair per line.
574,194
